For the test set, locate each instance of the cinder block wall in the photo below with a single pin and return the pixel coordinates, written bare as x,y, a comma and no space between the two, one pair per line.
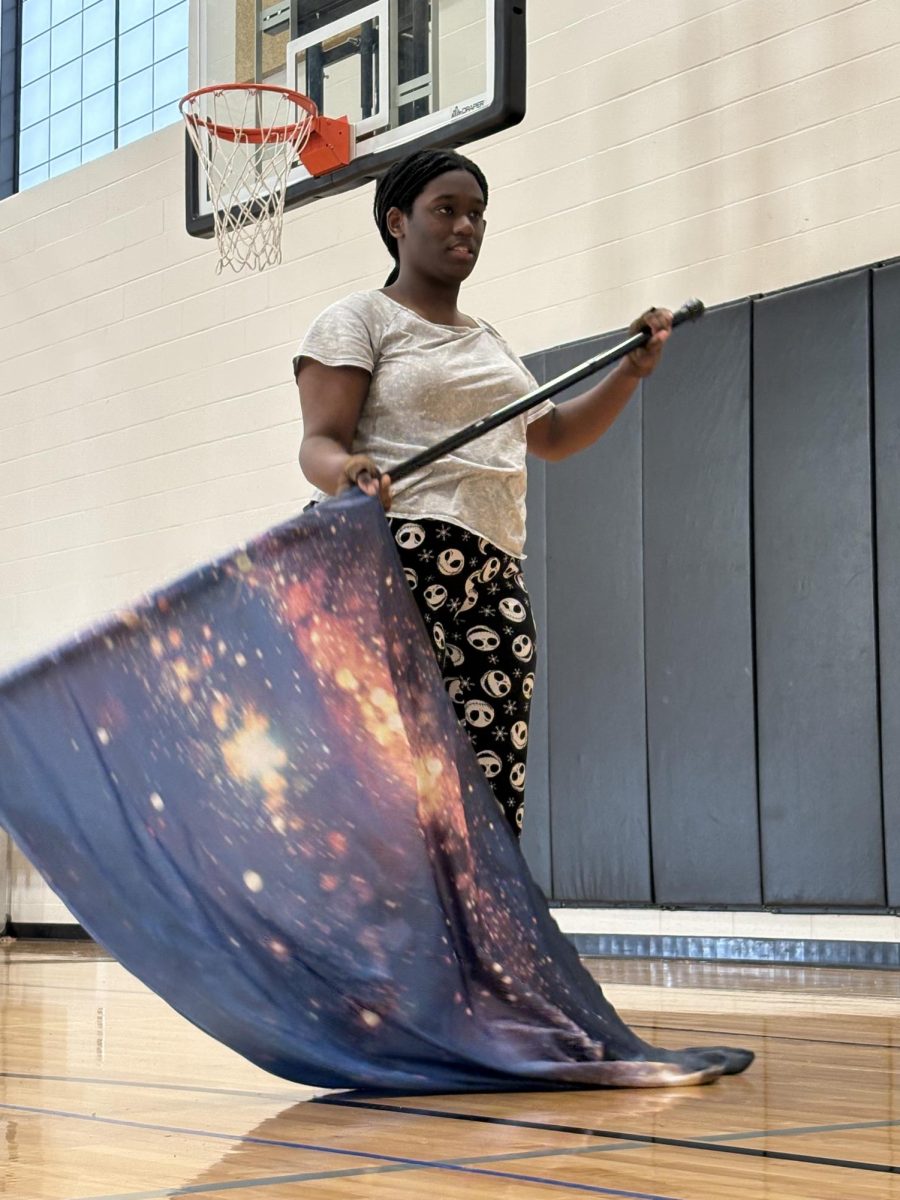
147,414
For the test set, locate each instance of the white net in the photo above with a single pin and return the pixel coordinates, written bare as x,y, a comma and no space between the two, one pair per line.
247,140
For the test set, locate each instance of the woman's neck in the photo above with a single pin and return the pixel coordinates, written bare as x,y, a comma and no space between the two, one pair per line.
431,301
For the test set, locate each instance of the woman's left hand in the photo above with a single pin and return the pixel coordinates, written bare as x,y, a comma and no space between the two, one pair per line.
645,359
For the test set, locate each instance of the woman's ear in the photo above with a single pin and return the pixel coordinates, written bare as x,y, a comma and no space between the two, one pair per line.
396,222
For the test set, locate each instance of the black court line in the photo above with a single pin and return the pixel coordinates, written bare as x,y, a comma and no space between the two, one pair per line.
356,1172
93,1080
719,1145
770,1037
273,1180
338,1101
198,1189
370,1156
402,1166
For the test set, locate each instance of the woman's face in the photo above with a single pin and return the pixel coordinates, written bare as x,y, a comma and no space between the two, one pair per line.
441,238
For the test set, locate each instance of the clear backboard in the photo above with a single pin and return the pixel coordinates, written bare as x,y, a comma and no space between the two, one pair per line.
407,74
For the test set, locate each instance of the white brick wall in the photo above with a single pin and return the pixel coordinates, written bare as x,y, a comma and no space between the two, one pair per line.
147,415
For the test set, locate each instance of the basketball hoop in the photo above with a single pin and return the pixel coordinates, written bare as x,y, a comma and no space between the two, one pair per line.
248,137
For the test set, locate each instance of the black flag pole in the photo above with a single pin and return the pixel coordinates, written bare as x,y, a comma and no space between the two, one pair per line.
689,311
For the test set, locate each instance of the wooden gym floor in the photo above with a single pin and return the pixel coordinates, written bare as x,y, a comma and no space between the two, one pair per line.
106,1094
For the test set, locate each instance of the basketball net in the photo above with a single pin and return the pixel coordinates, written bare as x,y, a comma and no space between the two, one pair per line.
247,138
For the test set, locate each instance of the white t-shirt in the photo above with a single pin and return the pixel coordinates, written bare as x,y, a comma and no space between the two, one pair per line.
428,381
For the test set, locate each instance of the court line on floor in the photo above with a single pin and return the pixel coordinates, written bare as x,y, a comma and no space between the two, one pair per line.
624,1142
338,1101
397,1162
722,1143
281,1097
273,1180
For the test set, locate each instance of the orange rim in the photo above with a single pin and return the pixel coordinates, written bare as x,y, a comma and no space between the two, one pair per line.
250,133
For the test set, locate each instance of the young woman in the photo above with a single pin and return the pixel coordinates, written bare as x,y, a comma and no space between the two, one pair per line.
386,373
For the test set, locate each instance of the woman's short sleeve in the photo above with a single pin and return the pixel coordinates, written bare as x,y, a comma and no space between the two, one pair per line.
540,410
341,336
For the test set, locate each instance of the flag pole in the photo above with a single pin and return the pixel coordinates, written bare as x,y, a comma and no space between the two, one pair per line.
689,311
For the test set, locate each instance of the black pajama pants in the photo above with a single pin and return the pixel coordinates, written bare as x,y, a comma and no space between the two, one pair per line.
474,602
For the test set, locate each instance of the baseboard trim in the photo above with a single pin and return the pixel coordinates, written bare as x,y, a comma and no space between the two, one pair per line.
814,952
34,930
776,951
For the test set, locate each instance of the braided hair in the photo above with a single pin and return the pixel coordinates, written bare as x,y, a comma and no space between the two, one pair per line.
405,180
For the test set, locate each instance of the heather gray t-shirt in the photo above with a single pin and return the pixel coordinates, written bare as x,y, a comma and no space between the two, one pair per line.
429,380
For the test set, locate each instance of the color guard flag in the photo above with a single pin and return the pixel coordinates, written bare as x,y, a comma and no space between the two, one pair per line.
253,790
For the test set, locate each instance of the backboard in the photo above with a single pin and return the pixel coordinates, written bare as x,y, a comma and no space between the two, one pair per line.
408,74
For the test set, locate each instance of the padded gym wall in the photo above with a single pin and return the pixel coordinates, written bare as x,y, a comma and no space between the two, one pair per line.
722,573
886,357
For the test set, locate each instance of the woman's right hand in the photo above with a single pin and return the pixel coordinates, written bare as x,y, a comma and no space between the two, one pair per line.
362,471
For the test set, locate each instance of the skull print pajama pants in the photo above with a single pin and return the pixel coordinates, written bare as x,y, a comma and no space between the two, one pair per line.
474,602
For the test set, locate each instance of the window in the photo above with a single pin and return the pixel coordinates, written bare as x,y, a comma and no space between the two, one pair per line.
96,74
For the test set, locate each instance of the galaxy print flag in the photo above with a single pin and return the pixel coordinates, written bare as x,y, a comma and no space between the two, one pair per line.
253,790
